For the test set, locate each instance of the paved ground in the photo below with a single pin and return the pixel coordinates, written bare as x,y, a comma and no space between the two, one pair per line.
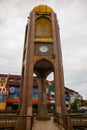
45,125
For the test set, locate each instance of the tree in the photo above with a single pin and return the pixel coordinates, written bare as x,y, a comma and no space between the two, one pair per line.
74,105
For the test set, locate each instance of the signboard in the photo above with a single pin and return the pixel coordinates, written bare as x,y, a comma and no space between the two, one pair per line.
12,90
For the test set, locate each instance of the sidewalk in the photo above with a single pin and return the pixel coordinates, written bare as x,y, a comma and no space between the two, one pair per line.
45,125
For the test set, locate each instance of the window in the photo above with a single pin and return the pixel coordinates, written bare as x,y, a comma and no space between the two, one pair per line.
43,27
2,98
2,79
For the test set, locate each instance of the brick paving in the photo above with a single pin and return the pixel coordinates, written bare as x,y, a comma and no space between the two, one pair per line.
45,125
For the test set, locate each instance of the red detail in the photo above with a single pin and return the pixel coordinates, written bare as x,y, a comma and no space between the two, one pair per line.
9,100
3,89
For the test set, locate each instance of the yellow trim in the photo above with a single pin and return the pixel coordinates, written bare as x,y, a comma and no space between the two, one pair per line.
42,9
43,39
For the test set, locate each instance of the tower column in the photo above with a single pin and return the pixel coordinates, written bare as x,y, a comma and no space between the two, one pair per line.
42,105
26,105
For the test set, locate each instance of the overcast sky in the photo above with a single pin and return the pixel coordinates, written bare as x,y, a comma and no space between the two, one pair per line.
72,19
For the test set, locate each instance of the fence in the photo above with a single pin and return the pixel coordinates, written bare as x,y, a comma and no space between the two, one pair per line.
79,120
70,121
10,120
62,120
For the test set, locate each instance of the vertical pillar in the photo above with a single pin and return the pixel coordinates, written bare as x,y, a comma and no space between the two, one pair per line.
26,106
57,92
39,94
59,80
42,105
30,71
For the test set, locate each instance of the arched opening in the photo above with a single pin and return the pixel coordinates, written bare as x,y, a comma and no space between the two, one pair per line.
50,77
43,27
43,68
50,92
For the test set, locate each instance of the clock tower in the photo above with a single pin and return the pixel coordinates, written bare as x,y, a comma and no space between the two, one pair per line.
41,55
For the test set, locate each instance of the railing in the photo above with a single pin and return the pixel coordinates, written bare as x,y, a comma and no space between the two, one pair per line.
79,120
69,121
6,112
62,120
10,120
7,121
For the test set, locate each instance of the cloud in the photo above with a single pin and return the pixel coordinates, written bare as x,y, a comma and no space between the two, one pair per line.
72,20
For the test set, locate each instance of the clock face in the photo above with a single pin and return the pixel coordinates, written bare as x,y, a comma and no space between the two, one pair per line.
43,49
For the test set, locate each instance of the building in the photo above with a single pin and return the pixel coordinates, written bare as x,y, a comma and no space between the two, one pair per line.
71,96
84,103
10,93
3,91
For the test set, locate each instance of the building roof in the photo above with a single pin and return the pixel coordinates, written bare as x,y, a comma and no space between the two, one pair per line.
42,9
11,79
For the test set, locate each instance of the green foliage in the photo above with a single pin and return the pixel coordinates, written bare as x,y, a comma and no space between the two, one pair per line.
51,88
74,105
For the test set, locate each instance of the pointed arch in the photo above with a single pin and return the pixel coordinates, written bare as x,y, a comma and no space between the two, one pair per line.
43,67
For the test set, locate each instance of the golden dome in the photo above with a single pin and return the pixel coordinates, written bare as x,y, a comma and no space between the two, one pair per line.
42,9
